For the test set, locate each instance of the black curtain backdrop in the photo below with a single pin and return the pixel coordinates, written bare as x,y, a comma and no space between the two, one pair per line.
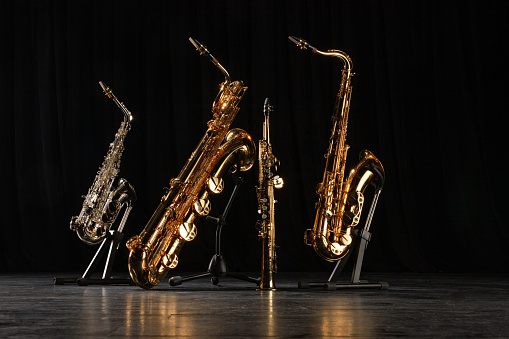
428,100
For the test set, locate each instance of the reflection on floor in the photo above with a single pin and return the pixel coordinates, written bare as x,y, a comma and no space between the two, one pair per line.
414,306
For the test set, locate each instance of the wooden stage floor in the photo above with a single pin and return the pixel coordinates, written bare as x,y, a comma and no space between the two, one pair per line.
415,305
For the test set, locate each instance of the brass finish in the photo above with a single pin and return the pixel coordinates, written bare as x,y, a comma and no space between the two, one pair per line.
267,181
155,251
340,202
102,204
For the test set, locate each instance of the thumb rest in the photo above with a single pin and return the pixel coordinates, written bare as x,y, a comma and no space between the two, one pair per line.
155,251
102,203
267,181
340,202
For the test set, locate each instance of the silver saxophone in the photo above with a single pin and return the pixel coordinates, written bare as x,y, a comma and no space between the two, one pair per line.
103,203
267,181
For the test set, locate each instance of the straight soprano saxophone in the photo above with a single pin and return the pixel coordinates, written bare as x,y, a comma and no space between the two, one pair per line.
340,202
155,251
103,203
267,181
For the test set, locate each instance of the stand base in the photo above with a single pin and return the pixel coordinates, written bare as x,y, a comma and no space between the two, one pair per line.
89,281
332,286
217,269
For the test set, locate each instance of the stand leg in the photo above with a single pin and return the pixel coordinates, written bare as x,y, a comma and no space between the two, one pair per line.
108,268
364,237
115,239
95,260
339,266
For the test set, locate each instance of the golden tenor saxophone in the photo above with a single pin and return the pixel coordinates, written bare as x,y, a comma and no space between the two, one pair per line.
340,201
155,251
267,181
102,203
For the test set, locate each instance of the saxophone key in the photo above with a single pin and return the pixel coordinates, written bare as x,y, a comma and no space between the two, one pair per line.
202,206
335,248
134,243
278,181
309,237
187,231
345,239
216,185
169,260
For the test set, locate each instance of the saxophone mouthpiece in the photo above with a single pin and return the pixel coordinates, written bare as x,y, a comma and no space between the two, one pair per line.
199,46
106,89
266,107
295,40
301,43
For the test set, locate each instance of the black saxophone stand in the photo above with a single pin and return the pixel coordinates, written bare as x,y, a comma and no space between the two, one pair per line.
113,239
217,266
359,244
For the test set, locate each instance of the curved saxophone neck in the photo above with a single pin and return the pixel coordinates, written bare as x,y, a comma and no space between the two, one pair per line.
204,51
303,44
128,117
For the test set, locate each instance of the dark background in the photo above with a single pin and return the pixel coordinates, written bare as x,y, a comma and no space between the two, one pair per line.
428,99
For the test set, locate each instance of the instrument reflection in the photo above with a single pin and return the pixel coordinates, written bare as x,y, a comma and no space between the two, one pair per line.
267,308
222,313
345,319
159,314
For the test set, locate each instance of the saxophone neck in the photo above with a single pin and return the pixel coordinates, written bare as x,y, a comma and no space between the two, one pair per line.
128,117
344,91
303,44
204,51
